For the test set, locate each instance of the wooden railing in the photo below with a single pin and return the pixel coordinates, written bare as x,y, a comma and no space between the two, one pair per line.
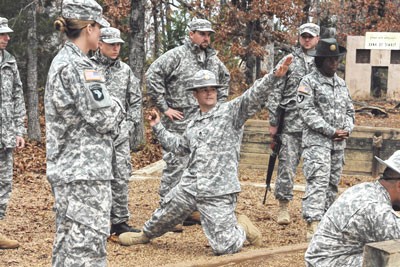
359,154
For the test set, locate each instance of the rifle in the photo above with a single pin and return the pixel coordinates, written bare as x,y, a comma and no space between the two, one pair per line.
276,146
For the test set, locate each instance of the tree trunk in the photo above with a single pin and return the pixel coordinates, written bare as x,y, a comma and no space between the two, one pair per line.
249,58
155,13
31,79
137,58
163,28
168,12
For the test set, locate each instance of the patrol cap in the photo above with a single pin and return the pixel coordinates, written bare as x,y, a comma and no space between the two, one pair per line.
202,25
4,26
83,10
327,48
204,78
310,28
110,35
393,162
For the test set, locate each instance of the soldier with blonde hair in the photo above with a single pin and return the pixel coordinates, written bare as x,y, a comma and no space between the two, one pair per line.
82,120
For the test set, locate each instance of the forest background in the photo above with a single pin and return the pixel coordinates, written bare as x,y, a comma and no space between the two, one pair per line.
251,35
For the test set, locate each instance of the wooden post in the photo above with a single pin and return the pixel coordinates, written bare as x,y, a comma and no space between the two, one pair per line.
382,254
377,141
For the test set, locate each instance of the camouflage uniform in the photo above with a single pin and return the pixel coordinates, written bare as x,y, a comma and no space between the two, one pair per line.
167,78
79,145
361,215
81,120
284,94
12,114
210,184
324,105
123,85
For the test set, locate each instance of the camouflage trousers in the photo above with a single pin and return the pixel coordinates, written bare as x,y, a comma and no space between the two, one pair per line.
218,219
289,157
175,164
6,176
322,168
122,170
82,223
172,172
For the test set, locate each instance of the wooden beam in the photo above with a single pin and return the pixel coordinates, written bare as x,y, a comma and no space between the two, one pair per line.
250,255
382,254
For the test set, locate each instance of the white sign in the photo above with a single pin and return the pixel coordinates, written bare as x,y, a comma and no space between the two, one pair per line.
382,40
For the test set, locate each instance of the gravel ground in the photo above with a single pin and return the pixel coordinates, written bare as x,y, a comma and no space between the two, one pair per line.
31,221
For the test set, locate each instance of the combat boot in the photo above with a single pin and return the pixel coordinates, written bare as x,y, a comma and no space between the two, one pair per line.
253,235
177,228
120,228
193,219
283,214
311,229
6,243
130,238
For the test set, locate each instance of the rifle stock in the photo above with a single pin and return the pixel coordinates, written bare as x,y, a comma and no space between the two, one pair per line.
276,146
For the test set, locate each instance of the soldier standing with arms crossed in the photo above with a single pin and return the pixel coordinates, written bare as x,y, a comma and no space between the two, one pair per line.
122,84
326,108
12,129
82,120
167,78
284,96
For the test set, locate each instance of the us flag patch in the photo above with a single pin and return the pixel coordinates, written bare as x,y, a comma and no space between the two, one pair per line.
304,90
93,75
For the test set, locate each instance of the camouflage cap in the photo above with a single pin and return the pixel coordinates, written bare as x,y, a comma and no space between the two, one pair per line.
4,26
310,28
204,78
111,35
83,10
202,25
393,162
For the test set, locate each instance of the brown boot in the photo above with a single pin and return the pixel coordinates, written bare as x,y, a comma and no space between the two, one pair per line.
253,235
311,229
132,238
193,219
283,214
177,228
6,243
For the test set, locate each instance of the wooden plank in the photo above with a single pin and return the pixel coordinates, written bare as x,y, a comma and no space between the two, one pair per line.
247,256
256,137
382,254
358,155
359,159
255,159
256,148
351,154
358,131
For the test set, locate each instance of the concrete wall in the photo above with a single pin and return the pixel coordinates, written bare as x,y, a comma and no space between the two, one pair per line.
358,76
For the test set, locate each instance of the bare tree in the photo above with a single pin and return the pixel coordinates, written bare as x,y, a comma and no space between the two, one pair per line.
156,13
137,58
31,78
